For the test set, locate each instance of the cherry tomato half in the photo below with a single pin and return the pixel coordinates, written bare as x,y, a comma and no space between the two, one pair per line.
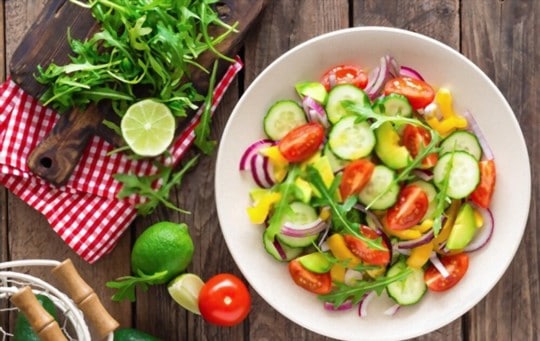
484,191
414,139
418,92
345,74
355,176
363,251
302,142
311,281
224,300
456,265
410,208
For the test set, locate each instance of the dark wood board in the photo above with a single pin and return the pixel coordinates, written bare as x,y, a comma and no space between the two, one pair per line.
47,41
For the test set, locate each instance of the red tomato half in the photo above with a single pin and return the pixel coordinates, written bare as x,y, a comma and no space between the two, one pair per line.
302,142
224,300
366,253
411,206
355,176
484,191
456,265
414,139
313,282
345,74
418,92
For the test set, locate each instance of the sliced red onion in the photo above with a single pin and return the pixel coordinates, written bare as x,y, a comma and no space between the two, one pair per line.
351,276
411,244
261,170
393,67
322,239
434,259
299,231
423,174
279,249
332,80
347,305
364,303
406,71
485,232
315,111
392,310
375,85
405,252
475,128
253,149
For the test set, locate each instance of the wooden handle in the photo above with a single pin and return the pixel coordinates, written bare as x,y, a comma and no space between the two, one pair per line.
41,321
99,319
55,158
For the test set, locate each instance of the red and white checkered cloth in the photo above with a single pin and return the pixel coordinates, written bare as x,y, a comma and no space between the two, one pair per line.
85,212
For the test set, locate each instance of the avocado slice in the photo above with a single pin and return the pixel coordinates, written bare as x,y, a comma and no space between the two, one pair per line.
463,230
315,262
388,148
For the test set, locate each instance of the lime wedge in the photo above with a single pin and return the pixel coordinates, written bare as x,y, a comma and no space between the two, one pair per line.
185,289
148,127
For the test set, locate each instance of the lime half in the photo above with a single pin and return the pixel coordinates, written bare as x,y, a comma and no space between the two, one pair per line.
148,127
185,289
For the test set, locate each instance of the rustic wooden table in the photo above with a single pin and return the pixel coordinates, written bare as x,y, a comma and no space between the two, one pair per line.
501,36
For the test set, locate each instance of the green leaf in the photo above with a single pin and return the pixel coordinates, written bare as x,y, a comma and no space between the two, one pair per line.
126,285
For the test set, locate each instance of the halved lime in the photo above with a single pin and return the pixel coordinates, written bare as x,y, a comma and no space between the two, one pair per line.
148,127
185,289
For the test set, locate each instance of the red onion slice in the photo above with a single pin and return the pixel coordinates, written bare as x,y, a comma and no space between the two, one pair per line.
423,174
261,171
411,244
253,149
406,71
299,231
434,259
315,111
393,66
485,232
347,305
279,249
475,128
364,303
373,89
392,310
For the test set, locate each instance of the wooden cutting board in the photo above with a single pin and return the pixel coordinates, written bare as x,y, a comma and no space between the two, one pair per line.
46,41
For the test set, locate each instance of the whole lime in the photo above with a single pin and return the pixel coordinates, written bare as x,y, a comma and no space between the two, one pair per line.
164,246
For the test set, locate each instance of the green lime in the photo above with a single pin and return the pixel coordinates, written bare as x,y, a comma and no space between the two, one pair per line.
185,289
148,127
131,334
164,246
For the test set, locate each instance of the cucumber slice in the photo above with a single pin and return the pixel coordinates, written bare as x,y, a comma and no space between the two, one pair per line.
393,105
282,117
462,172
431,193
334,108
336,163
462,140
380,180
351,140
409,290
299,213
289,252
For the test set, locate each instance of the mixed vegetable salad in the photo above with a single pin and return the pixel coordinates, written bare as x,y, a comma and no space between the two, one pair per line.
371,183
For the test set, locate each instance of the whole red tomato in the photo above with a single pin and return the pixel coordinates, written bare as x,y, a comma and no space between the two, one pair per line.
224,300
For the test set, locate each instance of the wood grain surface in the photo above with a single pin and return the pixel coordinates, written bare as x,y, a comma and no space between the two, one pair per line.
500,36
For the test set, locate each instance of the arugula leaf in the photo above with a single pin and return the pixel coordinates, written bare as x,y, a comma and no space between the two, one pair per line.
343,292
339,212
143,186
442,198
126,285
202,131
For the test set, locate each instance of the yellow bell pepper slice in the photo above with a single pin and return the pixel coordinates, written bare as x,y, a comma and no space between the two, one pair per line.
451,214
450,120
420,255
263,201
337,273
278,161
339,249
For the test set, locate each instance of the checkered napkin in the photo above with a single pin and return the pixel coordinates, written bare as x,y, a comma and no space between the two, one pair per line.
85,212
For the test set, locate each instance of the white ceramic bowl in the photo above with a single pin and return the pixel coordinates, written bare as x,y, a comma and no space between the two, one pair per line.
441,66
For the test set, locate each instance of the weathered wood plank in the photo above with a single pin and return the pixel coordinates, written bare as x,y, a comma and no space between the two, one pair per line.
498,37
29,235
284,25
437,19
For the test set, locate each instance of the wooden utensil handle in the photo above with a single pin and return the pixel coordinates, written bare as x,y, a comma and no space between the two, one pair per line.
55,158
99,319
43,324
